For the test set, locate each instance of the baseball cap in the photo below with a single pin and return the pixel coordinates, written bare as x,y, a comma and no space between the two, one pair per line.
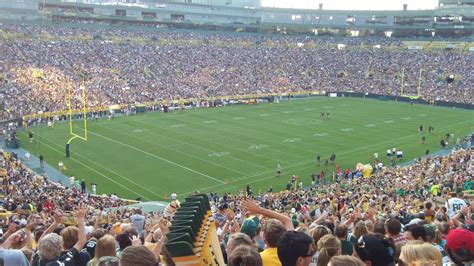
430,230
250,226
460,239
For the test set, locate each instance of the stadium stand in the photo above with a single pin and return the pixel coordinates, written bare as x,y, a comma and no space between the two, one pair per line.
426,200
424,208
120,67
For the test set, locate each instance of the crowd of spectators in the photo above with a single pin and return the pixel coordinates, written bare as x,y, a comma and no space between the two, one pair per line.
127,67
375,219
413,215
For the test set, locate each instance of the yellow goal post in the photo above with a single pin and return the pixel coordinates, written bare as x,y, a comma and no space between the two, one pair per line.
70,111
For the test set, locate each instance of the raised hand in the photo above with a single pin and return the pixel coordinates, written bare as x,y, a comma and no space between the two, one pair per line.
135,241
81,211
31,223
163,223
250,206
11,228
229,215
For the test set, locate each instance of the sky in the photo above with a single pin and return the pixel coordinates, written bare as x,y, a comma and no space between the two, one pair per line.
353,4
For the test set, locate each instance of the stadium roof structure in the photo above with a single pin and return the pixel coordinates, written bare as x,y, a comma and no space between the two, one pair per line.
453,18
457,2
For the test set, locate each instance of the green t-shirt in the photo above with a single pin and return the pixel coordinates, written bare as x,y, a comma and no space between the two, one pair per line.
400,191
469,185
346,247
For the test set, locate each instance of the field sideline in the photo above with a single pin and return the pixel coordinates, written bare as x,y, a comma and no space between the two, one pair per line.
222,149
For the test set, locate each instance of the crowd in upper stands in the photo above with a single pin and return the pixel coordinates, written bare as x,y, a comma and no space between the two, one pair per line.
127,67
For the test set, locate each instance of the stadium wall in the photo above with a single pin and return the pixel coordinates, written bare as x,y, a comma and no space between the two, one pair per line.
404,99
265,97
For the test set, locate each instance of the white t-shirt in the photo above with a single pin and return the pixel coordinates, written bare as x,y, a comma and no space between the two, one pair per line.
318,213
454,205
314,259
138,222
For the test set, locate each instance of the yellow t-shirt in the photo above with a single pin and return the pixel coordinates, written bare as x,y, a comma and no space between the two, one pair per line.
435,189
270,257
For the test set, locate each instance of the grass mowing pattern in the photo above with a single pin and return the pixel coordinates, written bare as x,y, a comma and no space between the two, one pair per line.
223,149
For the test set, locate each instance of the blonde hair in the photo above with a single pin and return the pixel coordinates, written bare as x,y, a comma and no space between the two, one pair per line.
345,260
438,234
318,232
418,253
70,236
328,247
360,229
238,239
105,247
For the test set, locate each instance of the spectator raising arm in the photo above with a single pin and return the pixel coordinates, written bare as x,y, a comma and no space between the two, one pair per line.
81,225
253,208
58,217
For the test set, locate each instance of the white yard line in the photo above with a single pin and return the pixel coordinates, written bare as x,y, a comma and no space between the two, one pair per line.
308,161
186,143
217,137
247,162
108,169
94,170
260,139
155,156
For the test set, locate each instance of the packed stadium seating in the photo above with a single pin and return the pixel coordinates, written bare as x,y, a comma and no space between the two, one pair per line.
426,199
423,208
127,67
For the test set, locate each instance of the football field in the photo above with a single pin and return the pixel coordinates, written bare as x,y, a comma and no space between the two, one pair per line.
152,155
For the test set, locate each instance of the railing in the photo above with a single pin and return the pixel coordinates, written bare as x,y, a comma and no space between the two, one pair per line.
167,102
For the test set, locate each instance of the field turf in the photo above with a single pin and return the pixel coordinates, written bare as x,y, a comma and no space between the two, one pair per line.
152,155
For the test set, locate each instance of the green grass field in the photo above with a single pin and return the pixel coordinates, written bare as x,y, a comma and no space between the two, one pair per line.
222,149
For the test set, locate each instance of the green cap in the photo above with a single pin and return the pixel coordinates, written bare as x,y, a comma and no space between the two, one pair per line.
430,230
250,226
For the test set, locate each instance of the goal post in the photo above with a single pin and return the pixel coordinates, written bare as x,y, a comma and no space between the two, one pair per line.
70,109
